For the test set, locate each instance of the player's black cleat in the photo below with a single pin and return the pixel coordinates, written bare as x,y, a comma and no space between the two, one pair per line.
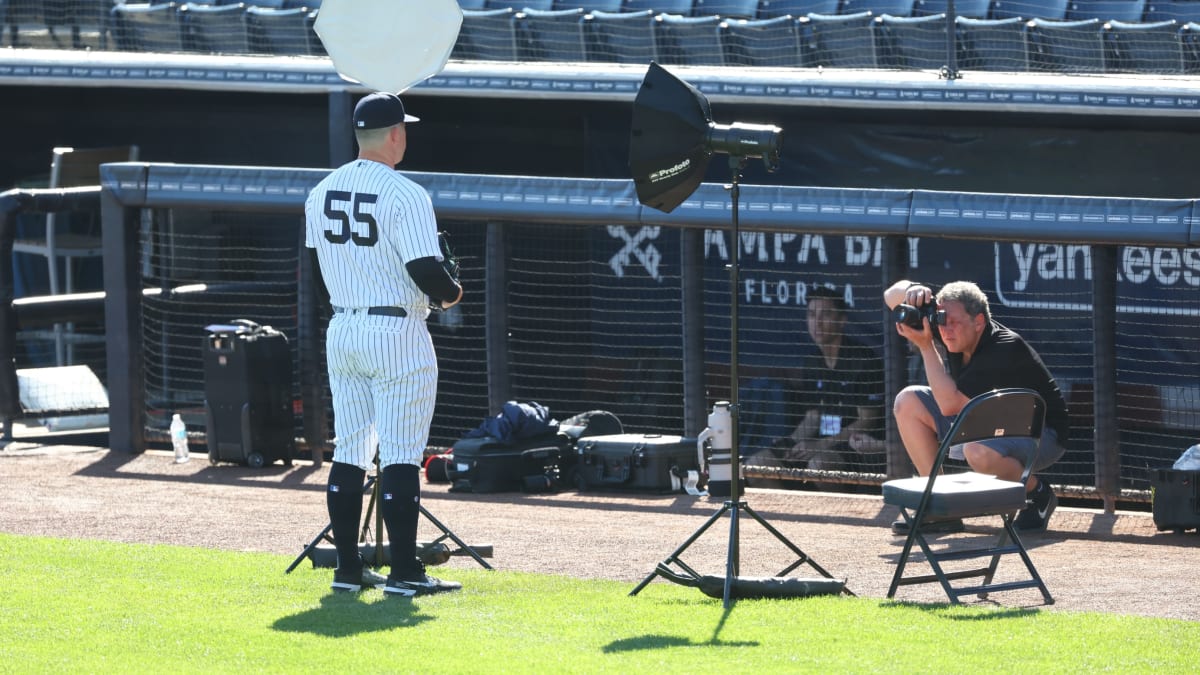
416,582
353,582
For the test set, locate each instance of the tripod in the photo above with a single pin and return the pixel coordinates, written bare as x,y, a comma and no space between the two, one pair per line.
377,550
735,505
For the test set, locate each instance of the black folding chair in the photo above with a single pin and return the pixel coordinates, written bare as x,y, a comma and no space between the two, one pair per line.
1002,413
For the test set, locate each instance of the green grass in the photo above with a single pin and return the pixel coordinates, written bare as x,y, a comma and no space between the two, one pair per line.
88,606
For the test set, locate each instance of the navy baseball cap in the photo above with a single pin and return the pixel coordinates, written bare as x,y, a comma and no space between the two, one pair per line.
380,110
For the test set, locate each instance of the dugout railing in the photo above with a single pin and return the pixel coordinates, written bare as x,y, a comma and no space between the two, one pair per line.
644,331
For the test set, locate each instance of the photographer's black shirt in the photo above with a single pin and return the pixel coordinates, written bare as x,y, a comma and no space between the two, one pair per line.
1003,359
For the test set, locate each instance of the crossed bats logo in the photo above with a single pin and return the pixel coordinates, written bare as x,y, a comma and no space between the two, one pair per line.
647,255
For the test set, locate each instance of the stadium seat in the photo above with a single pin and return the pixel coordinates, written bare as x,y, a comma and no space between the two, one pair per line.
689,40
280,32
993,44
1155,47
763,42
147,28
914,42
878,7
487,35
1067,46
214,29
590,5
265,4
1007,413
726,9
543,5
296,4
1182,11
1055,10
842,40
976,9
1120,10
472,4
551,35
678,7
620,37
769,9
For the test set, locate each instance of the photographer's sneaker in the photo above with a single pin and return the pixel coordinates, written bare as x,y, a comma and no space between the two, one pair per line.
417,582
353,582
1033,518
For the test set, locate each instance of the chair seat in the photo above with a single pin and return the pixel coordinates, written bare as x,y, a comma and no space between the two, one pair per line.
957,495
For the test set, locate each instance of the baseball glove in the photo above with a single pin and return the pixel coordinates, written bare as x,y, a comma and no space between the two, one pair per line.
449,263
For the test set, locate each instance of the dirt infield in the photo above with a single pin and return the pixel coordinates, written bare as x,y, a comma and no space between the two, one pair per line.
1090,561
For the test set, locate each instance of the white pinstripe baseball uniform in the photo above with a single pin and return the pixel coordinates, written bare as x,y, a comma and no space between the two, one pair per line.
366,221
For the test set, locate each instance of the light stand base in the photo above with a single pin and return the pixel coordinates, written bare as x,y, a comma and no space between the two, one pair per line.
734,509
377,551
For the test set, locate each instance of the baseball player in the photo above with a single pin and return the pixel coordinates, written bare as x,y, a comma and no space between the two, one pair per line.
375,239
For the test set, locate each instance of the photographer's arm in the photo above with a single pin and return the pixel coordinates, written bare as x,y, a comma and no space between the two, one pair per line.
907,292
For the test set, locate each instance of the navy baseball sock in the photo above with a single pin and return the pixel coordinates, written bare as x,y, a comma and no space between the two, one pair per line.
400,500
344,501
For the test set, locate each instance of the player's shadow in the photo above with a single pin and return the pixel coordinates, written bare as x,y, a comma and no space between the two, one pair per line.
343,614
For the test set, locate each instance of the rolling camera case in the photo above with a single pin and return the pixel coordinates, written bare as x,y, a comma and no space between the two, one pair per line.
1175,498
649,462
487,464
248,394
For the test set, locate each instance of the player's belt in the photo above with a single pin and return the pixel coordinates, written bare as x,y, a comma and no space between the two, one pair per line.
380,311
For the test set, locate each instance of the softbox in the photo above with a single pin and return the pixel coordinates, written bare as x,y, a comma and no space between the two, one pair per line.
386,45
673,136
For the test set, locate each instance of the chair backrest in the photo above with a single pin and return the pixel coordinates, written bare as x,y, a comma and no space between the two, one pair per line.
976,9
590,5
214,28
878,7
518,5
487,35
551,35
769,9
1030,9
1182,11
280,31
620,37
763,42
1105,10
147,28
1155,47
914,42
689,40
1000,413
679,7
842,40
1067,46
993,44
726,9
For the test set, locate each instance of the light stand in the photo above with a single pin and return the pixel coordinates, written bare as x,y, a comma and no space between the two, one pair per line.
735,505
378,549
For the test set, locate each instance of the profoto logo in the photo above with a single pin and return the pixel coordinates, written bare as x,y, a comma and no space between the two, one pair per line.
670,172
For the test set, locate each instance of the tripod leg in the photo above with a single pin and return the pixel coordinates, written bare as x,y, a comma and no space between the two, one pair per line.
674,557
795,549
309,549
731,562
461,544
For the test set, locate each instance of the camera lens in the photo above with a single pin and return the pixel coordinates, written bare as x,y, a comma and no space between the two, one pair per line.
907,315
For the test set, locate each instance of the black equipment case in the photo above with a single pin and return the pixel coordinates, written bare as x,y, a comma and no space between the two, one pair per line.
650,462
487,464
248,394
1175,497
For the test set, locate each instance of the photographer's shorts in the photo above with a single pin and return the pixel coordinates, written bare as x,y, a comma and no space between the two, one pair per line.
1019,449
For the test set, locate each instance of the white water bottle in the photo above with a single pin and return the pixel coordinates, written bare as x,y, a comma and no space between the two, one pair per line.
179,439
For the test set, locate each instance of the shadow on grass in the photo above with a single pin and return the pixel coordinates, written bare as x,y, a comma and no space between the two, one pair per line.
954,613
346,614
646,642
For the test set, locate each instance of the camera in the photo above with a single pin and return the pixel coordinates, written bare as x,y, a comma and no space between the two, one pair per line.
911,316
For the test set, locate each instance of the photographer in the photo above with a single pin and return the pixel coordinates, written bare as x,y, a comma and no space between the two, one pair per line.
970,354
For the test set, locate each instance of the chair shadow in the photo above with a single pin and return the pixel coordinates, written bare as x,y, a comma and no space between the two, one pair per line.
345,614
948,611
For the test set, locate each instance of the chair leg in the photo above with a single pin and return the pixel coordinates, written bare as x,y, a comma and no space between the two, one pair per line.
1033,573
